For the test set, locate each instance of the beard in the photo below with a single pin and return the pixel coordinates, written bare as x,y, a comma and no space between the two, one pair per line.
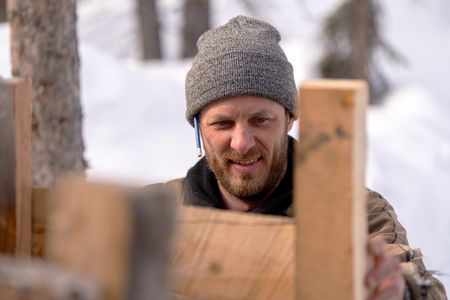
248,186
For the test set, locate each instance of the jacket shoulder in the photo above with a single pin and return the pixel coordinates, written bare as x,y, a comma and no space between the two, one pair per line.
382,219
175,186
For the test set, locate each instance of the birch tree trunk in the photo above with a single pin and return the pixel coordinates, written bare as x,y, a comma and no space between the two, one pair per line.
44,48
149,29
196,22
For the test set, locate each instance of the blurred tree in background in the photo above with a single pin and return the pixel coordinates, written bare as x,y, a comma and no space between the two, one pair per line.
44,48
196,22
149,29
351,37
3,16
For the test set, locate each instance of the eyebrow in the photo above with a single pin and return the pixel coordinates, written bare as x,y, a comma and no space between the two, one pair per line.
263,112
224,117
217,118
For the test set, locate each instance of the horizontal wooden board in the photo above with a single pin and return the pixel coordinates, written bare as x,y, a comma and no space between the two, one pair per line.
228,255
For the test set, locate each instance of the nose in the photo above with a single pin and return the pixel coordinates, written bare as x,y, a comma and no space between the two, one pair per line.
242,139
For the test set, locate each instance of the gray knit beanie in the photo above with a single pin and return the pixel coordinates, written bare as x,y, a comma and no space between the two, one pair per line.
242,57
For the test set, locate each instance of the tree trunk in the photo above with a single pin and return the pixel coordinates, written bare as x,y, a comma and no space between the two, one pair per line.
3,16
196,22
44,48
149,29
360,43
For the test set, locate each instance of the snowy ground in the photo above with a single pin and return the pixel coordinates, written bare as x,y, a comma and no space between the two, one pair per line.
135,130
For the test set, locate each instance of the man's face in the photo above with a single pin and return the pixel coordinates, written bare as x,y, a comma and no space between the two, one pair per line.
245,140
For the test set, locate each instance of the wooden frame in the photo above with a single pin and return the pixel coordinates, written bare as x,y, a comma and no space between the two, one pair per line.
319,254
227,255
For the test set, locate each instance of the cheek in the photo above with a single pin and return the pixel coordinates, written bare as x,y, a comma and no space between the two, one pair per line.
268,140
215,144
272,143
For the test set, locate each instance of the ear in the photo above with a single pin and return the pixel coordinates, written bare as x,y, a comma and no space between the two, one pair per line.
290,120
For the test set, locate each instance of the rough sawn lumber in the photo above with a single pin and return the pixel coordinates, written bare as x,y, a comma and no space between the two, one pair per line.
330,201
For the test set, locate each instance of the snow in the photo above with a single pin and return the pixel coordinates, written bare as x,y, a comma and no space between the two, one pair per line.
135,126
135,131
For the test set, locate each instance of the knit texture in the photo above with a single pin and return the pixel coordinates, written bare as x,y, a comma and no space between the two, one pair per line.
242,57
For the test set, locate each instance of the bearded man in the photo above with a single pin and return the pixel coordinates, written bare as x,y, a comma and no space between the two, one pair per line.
241,95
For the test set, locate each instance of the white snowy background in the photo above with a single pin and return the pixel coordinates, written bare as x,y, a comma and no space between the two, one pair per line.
135,131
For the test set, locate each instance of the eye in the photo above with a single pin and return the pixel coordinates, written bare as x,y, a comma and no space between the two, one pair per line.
260,120
223,124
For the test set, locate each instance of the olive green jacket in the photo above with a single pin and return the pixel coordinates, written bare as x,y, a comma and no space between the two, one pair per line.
382,221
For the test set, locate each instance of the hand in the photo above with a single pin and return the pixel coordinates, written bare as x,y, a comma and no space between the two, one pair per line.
385,278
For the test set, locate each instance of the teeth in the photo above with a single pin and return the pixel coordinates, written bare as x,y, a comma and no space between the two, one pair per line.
246,163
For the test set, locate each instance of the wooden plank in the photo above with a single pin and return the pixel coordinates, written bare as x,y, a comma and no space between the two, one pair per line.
228,255
116,236
40,204
15,166
329,191
35,280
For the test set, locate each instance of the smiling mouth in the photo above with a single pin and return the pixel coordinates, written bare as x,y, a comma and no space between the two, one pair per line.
245,162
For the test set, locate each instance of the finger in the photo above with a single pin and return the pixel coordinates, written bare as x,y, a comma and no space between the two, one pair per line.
390,290
376,246
385,268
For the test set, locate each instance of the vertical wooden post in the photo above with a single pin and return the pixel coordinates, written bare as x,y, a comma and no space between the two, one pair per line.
330,200
15,167
114,236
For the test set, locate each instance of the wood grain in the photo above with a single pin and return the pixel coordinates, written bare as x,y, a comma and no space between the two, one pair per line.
329,191
113,235
15,167
41,205
228,255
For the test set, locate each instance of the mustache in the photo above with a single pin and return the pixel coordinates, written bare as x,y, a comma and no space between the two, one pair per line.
233,155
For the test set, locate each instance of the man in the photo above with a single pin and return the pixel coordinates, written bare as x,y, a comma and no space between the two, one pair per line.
241,91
